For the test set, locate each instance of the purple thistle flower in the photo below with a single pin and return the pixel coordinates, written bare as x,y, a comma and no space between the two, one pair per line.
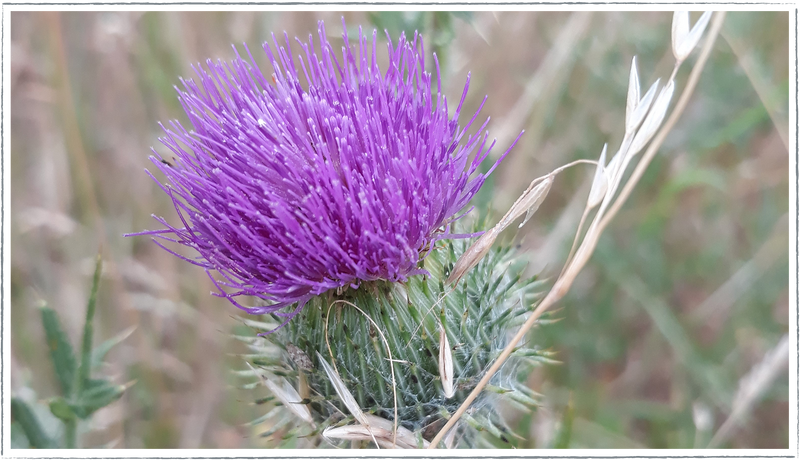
288,192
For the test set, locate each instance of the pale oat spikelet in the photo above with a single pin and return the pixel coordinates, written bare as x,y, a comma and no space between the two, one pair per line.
635,139
683,39
380,431
599,182
344,394
528,203
639,106
332,194
653,120
446,364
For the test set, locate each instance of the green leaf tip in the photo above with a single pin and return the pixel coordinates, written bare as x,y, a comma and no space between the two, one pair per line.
61,353
23,414
88,330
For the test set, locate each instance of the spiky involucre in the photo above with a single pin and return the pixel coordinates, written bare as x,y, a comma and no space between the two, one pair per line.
477,315
288,191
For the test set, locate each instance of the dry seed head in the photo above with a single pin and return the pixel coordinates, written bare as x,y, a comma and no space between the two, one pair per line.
446,364
472,256
380,431
361,433
348,433
680,29
683,39
654,119
344,394
533,200
527,203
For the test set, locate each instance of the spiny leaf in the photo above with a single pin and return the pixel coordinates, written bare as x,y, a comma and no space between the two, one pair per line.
472,422
100,394
502,318
490,427
514,398
250,386
18,438
520,397
263,400
271,414
88,330
101,350
61,353
536,356
23,414
260,326
287,395
279,425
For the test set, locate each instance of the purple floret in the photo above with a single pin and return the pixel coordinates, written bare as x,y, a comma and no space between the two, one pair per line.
289,190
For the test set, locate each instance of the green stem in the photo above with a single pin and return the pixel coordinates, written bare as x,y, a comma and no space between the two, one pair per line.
88,332
82,376
71,434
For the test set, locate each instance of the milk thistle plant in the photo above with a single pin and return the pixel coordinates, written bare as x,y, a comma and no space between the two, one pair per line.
335,206
326,200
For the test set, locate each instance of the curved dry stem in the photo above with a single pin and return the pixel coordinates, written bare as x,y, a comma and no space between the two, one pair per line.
563,284
583,161
575,241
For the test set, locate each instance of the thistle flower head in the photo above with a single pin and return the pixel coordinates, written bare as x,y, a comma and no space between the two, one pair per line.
325,174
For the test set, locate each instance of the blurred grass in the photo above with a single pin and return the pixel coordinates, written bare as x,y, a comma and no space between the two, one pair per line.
638,359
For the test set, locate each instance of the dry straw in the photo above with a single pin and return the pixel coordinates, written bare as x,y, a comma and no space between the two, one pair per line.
341,388
752,386
644,116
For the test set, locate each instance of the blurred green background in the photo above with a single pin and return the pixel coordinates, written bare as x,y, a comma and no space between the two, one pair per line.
662,335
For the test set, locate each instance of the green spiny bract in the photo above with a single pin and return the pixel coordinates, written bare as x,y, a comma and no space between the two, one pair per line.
477,314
